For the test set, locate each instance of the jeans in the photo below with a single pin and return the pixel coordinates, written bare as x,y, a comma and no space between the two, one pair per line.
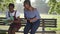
31,26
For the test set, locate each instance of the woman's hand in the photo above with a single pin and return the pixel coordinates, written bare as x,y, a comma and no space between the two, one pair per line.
17,21
32,20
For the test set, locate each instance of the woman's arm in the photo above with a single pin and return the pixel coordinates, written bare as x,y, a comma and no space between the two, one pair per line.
25,14
37,16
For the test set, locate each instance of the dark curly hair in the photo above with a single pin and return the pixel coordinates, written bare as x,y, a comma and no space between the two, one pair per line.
11,4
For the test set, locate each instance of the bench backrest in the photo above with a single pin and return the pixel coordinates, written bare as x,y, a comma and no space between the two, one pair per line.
43,22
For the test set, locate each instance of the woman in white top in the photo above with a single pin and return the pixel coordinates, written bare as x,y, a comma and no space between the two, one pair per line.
16,19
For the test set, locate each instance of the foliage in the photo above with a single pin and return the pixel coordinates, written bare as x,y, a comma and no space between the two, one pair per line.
54,7
4,4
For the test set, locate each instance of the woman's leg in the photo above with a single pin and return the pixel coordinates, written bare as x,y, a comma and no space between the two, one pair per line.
13,28
27,28
10,31
35,27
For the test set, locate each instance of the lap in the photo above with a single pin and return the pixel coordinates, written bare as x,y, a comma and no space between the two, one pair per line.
14,26
28,25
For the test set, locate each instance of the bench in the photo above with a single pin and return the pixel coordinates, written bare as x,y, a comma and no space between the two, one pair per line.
43,23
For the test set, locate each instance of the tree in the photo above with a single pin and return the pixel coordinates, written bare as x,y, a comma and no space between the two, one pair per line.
4,4
54,6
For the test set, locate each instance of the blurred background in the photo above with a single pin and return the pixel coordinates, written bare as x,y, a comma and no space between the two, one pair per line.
46,8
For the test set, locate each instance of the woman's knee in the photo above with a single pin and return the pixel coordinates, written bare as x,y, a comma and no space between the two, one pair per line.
15,29
24,29
10,29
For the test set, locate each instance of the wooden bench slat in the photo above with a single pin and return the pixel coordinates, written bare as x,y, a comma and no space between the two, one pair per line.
36,31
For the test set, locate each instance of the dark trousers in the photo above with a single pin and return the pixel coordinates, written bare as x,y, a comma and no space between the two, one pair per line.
31,26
